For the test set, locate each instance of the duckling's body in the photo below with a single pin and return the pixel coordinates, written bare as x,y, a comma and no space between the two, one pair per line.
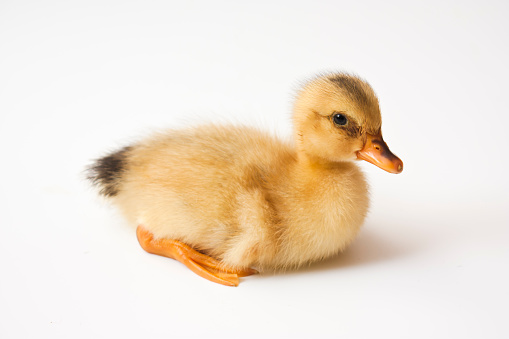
243,197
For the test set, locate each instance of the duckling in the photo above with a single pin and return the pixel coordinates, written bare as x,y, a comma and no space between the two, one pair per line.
229,201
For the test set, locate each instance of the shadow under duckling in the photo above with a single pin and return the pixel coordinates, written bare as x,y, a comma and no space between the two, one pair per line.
224,200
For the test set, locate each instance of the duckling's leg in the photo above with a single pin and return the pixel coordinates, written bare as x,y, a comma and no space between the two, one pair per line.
199,263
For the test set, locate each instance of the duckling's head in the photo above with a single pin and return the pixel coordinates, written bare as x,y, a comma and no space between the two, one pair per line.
337,118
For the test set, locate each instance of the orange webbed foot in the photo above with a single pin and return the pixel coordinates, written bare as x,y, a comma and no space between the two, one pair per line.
201,264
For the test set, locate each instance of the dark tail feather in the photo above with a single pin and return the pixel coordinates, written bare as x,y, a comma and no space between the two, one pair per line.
106,173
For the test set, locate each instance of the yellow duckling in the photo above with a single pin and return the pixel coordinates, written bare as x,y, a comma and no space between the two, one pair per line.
224,200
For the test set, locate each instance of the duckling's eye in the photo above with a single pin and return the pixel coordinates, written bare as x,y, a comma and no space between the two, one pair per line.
339,119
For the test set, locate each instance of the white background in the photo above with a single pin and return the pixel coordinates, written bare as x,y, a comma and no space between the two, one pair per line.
81,78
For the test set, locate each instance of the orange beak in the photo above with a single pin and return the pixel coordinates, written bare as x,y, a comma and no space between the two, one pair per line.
377,152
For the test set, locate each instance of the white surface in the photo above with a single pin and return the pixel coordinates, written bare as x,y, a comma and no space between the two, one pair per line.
79,78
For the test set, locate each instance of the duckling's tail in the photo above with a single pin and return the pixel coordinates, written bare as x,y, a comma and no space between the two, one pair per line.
106,173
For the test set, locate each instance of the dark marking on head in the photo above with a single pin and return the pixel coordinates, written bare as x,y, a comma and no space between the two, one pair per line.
352,86
106,172
353,130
